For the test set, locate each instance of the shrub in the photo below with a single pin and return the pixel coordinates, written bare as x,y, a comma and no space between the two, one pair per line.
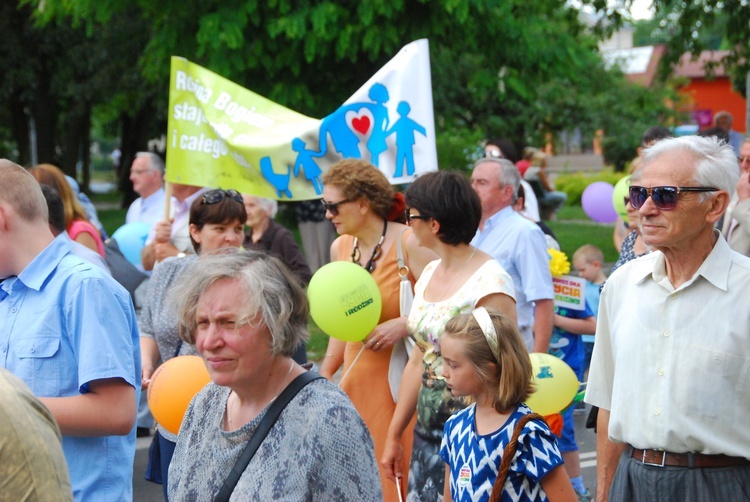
574,184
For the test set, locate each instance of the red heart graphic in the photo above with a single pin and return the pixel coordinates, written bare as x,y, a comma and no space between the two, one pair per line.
361,124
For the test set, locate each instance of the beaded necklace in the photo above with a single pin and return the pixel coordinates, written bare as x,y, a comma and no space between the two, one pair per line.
370,266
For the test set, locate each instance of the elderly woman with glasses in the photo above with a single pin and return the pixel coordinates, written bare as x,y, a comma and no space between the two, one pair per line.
365,211
217,220
264,234
444,212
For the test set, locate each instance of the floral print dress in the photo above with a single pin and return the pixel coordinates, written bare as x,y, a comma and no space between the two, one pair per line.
435,404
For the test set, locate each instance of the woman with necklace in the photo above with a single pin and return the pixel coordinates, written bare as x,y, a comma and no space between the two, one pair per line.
444,213
246,313
363,208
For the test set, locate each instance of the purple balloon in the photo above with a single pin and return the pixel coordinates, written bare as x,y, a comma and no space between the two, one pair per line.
597,202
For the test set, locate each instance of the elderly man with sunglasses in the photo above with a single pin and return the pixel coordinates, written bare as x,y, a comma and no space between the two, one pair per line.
736,227
671,365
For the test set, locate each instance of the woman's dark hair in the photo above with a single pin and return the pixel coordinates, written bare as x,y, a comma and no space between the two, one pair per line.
507,148
447,197
226,210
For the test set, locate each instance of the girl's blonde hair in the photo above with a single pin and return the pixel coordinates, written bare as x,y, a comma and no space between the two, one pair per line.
509,373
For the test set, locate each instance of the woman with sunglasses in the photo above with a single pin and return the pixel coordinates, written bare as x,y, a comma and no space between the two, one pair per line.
365,211
444,212
633,245
217,221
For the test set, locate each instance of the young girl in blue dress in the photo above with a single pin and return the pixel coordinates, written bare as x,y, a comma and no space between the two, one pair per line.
486,360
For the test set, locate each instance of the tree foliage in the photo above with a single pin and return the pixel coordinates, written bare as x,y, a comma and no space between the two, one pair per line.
509,68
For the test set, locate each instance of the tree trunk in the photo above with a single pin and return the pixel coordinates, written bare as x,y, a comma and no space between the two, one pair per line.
135,136
20,130
45,113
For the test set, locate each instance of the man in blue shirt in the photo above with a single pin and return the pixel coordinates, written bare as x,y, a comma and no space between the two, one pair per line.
520,247
69,332
147,176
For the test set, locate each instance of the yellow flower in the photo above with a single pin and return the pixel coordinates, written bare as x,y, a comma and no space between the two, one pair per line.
558,262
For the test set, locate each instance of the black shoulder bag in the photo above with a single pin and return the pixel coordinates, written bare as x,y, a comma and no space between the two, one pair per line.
265,426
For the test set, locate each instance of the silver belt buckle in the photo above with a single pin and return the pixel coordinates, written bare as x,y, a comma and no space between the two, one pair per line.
663,458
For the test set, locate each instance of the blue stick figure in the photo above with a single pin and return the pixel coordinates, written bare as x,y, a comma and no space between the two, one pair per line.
405,129
305,161
376,143
279,181
344,140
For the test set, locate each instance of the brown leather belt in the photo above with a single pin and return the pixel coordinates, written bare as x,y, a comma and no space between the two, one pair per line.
662,458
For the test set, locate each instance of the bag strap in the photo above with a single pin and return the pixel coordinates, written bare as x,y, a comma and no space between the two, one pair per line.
508,454
403,268
260,434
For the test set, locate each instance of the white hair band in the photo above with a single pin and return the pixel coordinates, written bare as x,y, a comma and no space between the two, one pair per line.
488,329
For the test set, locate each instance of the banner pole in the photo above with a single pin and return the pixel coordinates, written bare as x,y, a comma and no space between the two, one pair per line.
167,197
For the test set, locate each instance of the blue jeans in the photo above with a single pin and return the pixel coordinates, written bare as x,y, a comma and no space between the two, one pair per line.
161,453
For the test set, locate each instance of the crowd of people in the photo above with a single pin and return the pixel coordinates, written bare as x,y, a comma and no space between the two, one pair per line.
431,404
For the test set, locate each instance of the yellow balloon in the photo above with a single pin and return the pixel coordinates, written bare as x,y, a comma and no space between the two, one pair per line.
556,384
173,385
618,197
344,301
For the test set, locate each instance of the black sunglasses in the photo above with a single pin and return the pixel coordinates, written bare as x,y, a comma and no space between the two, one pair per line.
665,198
216,196
333,207
410,217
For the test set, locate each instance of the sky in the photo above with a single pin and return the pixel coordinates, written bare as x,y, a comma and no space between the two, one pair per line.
641,9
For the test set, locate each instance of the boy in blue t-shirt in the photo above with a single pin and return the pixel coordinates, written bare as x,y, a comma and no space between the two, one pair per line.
567,344
588,261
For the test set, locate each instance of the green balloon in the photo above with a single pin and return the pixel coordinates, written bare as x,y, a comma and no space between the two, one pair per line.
618,197
344,301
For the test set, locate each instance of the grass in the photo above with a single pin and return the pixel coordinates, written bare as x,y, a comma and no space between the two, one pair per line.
572,228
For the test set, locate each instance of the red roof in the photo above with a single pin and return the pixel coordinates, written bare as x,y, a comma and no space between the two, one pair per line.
687,67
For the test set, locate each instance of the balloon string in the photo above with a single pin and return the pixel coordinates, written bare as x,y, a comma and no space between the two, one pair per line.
398,487
352,365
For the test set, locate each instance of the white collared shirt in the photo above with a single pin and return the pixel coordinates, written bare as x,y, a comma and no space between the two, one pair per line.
180,211
673,365
147,209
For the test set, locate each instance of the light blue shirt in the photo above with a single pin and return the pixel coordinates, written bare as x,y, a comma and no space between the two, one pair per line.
63,324
147,210
520,247
735,141
592,301
82,251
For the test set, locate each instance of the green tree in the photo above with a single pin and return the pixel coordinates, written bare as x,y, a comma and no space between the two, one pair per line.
500,67
488,57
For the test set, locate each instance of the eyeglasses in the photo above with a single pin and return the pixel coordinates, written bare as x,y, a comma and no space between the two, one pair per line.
333,207
626,199
497,154
216,196
665,198
410,217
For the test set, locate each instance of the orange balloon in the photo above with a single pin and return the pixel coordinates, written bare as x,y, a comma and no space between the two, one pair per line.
173,385
555,423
